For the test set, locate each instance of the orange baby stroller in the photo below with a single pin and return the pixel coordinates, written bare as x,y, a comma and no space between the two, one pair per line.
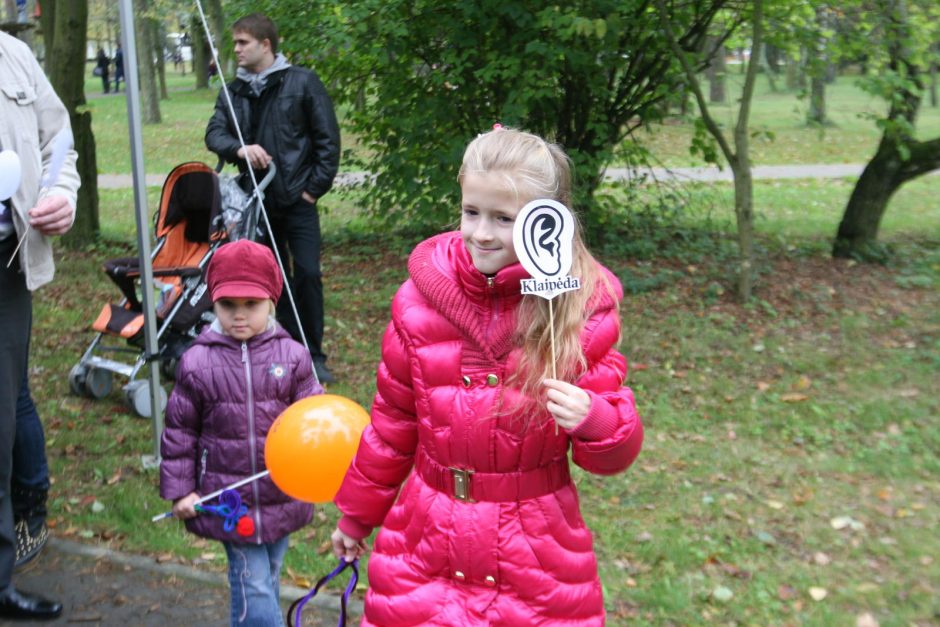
190,224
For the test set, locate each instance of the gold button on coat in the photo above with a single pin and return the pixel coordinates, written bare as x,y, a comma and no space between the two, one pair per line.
458,575
492,380
466,381
490,580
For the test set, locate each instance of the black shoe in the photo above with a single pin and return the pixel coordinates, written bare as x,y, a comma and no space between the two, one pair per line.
20,605
324,375
29,542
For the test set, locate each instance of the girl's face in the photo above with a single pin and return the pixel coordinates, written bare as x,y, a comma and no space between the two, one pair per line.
488,212
243,318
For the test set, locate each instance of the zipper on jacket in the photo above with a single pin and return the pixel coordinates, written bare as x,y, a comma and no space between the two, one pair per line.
255,490
202,466
494,304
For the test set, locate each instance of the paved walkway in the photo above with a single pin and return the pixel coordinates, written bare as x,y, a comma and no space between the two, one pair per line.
705,174
99,586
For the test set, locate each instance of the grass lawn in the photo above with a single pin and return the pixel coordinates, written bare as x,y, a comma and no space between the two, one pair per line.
790,473
791,444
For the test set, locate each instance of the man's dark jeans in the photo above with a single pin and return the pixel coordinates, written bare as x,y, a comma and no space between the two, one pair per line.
297,233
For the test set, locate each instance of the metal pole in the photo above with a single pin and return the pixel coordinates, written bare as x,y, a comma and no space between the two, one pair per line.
143,223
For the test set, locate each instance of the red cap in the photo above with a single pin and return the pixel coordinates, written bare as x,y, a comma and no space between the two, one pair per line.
244,269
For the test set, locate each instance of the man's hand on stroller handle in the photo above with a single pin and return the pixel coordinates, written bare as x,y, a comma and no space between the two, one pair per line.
256,156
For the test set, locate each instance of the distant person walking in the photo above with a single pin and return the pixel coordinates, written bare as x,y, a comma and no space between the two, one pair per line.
101,69
118,68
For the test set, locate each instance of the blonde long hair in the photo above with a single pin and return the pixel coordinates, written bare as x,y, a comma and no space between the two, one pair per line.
534,168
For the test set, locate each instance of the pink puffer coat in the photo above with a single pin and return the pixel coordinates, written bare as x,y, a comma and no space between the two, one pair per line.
516,551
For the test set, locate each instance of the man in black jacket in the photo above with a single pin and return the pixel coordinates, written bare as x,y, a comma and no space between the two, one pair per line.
285,116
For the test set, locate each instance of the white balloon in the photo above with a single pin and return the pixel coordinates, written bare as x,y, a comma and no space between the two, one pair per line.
10,173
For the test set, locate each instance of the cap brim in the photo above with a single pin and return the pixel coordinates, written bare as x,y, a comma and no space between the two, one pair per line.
237,289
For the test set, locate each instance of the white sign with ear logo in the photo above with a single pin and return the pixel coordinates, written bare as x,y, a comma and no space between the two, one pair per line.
542,236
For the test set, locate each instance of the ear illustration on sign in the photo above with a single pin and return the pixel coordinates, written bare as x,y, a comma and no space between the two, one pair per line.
542,229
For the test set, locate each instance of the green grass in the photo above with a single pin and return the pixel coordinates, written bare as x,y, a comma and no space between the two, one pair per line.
764,423
768,425
779,131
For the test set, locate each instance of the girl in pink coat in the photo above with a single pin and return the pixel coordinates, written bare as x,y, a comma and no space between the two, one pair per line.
468,415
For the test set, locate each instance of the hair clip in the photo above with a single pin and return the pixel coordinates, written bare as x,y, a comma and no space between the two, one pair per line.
497,127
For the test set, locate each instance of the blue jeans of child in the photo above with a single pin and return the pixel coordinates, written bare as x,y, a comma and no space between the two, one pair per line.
254,576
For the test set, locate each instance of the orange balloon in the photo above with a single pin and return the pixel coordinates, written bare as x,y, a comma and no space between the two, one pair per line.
311,444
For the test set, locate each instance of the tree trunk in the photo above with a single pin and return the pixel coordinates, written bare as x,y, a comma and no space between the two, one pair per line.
716,76
817,101
157,38
47,27
67,56
771,73
200,54
933,83
744,218
216,18
884,174
150,111
889,169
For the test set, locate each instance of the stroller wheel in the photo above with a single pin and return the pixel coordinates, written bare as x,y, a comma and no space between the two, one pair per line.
137,395
98,382
77,379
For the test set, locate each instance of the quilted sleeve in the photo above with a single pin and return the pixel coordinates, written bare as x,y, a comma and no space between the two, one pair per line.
304,384
180,439
610,437
386,449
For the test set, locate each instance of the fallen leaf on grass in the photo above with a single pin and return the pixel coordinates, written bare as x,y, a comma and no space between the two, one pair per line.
818,594
841,522
722,594
114,478
774,504
821,559
325,547
866,620
163,557
786,592
793,397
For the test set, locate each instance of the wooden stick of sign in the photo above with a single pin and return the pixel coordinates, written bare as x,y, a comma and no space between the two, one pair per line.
542,236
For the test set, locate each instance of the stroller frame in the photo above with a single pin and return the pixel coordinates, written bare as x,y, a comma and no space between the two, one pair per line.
186,308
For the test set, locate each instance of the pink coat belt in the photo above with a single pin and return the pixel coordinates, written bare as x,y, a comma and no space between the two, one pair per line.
470,486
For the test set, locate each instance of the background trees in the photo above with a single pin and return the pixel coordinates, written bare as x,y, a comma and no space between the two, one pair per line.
422,78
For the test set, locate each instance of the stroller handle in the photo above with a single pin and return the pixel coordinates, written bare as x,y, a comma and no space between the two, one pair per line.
272,170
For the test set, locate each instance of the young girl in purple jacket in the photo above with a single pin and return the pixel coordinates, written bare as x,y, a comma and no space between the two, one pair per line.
232,383
487,529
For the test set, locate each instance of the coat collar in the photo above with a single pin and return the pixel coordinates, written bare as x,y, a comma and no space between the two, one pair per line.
481,307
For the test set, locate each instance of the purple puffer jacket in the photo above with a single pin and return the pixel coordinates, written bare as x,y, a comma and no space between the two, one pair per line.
227,395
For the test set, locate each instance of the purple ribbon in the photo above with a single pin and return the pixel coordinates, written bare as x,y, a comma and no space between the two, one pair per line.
297,606
230,508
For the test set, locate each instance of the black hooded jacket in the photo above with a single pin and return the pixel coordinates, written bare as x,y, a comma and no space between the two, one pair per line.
294,121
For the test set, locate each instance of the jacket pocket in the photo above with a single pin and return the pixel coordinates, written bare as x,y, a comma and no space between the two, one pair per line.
20,93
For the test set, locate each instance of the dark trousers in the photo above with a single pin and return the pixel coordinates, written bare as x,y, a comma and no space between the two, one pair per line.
30,469
15,310
297,233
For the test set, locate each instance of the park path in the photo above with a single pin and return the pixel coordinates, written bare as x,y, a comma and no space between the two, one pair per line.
703,174
99,586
